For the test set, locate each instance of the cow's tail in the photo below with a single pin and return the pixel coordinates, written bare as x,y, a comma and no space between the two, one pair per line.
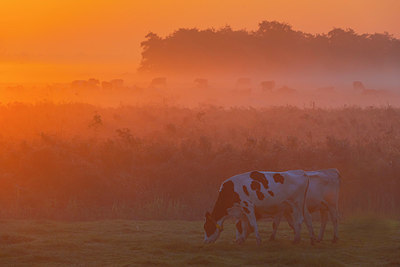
339,176
305,194
337,194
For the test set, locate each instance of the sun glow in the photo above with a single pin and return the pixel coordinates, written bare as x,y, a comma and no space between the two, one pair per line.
107,34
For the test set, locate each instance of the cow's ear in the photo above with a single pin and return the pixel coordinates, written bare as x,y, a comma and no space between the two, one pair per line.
207,214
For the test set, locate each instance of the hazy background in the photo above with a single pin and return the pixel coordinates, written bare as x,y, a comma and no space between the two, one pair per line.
59,41
222,88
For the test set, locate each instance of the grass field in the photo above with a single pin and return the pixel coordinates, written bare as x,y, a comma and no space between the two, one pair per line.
363,241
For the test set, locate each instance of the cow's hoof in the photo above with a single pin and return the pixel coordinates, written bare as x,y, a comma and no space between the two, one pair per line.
296,241
258,241
335,240
318,240
312,241
272,238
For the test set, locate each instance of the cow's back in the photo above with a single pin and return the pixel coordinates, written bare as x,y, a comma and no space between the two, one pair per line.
323,188
270,191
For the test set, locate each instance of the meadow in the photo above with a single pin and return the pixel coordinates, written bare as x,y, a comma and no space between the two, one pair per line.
365,241
126,185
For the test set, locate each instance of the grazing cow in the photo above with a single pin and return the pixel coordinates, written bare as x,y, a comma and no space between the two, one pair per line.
285,90
322,196
201,83
258,193
117,83
78,84
158,83
93,83
267,86
106,85
358,86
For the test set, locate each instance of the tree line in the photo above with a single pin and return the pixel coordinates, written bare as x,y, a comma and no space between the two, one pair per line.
274,46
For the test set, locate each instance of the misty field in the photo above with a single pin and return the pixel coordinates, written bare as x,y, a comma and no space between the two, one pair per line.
84,162
90,185
363,241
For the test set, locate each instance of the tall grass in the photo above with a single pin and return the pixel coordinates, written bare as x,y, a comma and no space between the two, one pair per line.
77,161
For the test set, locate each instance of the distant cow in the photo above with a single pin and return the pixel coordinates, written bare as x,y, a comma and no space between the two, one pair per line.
93,83
322,196
106,85
358,85
258,193
201,83
87,84
267,86
117,83
286,90
79,84
159,82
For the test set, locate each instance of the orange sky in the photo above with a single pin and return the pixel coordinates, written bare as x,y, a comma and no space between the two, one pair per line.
47,40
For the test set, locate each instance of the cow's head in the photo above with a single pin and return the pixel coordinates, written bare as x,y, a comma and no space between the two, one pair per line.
227,199
212,229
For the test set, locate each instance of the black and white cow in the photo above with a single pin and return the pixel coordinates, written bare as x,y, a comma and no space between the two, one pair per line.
258,193
322,196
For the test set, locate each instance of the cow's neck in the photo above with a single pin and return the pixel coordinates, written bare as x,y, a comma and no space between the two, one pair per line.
227,198
219,212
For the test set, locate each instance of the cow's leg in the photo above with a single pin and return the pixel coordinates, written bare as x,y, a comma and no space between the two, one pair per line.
239,232
334,217
297,215
324,219
250,214
275,223
242,230
249,229
289,219
308,221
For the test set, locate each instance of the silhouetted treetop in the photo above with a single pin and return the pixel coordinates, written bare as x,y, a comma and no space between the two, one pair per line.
274,46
